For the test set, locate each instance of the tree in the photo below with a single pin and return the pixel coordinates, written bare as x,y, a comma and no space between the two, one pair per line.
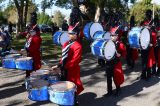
3,19
138,10
58,18
44,19
12,16
46,4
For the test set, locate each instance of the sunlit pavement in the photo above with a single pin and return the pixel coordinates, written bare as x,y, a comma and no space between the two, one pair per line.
134,92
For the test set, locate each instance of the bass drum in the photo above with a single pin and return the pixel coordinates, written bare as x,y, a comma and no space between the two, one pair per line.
60,37
103,49
90,29
139,38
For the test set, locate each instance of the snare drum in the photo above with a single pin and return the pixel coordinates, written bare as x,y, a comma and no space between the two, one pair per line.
9,61
102,35
24,63
38,90
62,93
90,29
60,37
139,37
103,49
46,75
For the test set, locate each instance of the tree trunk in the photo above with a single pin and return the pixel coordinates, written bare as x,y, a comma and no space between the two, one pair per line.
25,12
97,14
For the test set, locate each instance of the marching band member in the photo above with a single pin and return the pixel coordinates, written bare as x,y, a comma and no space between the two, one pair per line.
158,52
33,43
147,55
71,57
132,53
114,67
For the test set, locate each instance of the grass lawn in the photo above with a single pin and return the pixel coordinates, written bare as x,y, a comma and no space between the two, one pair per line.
49,50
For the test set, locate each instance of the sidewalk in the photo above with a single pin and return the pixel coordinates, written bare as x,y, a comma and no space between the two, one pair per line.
135,92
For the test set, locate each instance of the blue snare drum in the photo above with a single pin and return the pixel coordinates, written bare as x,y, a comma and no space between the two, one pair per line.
139,38
24,63
102,35
38,90
62,93
60,37
103,49
47,75
90,29
9,61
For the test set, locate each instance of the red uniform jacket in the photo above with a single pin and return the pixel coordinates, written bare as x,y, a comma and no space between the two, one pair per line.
151,57
72,65
33,49
118,72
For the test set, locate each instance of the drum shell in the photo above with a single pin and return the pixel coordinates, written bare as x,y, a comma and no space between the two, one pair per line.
134,36
86,30
56,38
101,35
39,94
62,98
24,64
9,61
36,94
97,48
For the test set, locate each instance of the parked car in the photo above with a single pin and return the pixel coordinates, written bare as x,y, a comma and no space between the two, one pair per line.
45,28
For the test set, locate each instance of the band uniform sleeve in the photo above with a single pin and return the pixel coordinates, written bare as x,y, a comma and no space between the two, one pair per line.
76,57
122,50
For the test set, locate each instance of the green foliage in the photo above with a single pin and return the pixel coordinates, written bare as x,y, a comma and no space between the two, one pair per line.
139,9
44,19
58,18
46,4
3,19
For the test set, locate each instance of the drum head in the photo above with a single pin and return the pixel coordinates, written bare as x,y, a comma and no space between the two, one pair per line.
24,58
38,83
62,86
145,38
64,38
109,50
40,72
94,28
12,55
107,36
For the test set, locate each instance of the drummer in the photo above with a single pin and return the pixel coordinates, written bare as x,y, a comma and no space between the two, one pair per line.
71,57
114,67
158,46
147,55
33,42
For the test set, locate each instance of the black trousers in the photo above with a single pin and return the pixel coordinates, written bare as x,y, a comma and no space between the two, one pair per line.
129,58
146,72
110,75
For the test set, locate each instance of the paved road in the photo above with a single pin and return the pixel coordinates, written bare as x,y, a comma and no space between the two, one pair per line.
135,92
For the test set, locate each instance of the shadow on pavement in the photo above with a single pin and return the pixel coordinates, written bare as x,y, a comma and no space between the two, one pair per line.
8,92
89,98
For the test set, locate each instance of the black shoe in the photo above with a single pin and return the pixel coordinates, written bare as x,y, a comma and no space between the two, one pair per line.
108,94
117,93
76,104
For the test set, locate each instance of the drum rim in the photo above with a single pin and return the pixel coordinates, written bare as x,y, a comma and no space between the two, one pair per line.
149,37
51,89
102,35
97,30
114,52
